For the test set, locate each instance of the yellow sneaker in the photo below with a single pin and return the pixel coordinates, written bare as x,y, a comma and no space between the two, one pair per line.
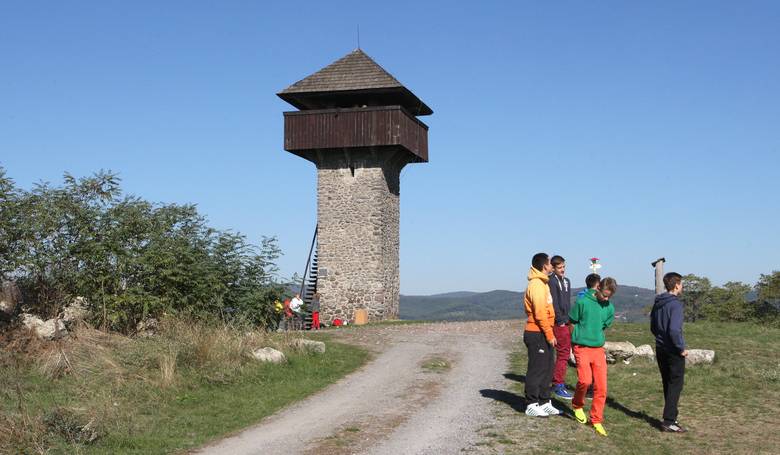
579,414
600,429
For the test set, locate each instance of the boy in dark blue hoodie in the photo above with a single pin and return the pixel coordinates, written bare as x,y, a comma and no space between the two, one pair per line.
666,323
560,289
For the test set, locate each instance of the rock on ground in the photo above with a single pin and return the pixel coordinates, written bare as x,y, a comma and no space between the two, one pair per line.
698,356
10,297
269,355
146,328
51,329
309,345
618,351
75,311
644,350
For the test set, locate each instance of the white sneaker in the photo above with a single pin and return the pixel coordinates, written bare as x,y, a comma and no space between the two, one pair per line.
549,409
534,410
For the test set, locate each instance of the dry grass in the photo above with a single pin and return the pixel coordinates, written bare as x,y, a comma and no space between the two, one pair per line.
107,375
19,431
210,345
86,353
168,369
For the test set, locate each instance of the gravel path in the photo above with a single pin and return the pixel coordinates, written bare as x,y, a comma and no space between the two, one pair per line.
420,395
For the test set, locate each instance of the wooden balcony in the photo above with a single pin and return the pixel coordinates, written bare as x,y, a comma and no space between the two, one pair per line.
367,127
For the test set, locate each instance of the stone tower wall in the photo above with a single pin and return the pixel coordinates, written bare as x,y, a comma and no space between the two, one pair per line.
358,238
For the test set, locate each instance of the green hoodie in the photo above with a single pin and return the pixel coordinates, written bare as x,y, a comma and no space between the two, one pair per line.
590,317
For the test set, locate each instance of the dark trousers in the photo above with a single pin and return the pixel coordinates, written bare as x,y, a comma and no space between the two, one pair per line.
541,359
672,368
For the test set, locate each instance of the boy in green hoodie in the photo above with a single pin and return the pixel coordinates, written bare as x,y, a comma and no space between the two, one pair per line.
590,315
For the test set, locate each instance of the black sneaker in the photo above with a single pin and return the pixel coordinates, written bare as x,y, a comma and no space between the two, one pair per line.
673,427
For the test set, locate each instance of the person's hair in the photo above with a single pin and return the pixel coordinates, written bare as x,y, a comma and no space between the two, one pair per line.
539,260
609,283
555,260
592,280
671,280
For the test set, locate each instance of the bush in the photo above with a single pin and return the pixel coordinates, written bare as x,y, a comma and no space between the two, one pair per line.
733,301
130,258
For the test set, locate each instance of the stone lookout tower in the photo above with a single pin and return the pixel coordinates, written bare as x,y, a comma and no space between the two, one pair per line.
358,125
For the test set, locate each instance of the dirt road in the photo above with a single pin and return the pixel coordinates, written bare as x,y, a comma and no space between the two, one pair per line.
424,393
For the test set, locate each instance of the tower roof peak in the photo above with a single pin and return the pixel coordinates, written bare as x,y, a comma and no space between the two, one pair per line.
353,80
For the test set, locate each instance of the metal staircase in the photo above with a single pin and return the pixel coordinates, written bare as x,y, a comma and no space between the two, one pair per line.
309,282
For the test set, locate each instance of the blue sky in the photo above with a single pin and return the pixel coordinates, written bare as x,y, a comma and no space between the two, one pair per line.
623,130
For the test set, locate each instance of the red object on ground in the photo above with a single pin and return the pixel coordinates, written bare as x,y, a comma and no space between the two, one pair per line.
337,323
315,320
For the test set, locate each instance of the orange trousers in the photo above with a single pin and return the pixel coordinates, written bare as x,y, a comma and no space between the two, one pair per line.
591,369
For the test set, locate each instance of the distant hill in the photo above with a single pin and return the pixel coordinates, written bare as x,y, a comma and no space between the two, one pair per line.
630,303
455,294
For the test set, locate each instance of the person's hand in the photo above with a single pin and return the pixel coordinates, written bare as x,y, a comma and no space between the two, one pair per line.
554,342
684,353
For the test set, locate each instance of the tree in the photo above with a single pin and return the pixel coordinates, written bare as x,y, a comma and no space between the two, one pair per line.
9,223
130,258
768,287
729,303
768,298
695,296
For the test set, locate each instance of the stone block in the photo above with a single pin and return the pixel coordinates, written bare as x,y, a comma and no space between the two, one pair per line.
618,351
699,356
268,355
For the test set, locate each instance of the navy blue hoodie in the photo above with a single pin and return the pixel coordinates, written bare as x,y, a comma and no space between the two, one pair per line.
560,290
666,323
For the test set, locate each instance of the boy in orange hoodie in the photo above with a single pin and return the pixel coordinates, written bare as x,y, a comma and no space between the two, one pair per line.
539,339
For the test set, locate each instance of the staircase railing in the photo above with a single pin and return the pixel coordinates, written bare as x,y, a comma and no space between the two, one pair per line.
308,260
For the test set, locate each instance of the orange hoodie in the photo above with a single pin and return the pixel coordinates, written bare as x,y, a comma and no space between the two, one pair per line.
539,304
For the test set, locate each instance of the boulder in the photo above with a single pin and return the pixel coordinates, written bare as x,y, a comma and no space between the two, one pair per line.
31,321
618,351
146,328
644,350
698,356
76,311
10,298
51,329
303,344
268,355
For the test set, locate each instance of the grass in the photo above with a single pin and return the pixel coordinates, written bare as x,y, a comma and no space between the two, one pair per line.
185,387
436,365
731,406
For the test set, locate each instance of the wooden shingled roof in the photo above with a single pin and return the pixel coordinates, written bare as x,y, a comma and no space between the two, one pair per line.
353,80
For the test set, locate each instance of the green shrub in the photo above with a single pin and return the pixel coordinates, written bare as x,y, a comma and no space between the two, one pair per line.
131,259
